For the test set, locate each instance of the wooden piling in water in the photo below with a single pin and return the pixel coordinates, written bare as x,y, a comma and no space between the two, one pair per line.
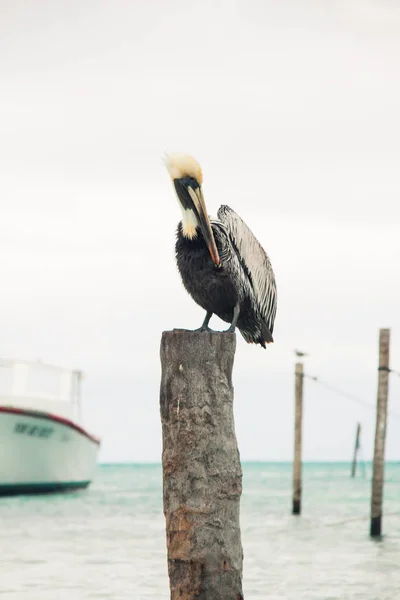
380,434
202,475
298,419
356,448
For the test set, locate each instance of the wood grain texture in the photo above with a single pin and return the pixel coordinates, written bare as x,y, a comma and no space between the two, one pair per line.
202,475
356,448
298,427
380,434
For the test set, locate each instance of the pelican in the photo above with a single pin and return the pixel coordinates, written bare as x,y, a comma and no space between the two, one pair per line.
222,265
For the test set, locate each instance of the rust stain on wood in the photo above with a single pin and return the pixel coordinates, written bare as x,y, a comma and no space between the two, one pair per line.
226,566
179,529
179,545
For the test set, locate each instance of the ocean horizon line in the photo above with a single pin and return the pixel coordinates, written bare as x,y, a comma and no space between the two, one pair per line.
248,462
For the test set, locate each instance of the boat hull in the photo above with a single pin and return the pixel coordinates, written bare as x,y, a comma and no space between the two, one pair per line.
42,453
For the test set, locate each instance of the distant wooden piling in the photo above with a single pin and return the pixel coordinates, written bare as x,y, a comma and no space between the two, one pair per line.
356,448
297,485
380,433
202,475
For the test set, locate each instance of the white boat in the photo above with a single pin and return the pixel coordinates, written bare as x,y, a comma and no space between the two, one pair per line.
43,445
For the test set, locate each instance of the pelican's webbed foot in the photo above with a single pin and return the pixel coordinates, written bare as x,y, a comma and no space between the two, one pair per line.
206,321
236,312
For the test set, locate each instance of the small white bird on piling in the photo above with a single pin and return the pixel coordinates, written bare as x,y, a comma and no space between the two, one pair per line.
223,266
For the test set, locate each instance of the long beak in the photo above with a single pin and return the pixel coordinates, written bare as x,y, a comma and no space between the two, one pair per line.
205,226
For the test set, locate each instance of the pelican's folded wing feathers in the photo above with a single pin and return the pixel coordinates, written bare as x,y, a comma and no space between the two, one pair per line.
255,262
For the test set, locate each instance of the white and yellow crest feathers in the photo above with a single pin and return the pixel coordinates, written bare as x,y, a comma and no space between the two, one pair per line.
183,165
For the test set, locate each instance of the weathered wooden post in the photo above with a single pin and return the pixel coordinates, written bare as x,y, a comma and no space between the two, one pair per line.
380,433
202,475
298,418
356,448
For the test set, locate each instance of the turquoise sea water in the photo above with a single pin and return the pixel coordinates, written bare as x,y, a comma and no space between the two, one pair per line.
109,541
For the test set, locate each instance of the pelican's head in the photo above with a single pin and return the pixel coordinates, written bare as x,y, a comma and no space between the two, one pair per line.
187,178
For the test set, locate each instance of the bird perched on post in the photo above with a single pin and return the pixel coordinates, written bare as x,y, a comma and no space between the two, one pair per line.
222,265
299,353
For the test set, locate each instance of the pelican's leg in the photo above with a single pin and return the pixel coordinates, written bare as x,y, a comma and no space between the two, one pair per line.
236,312
206,321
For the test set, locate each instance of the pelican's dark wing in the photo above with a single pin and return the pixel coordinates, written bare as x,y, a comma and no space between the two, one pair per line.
255,263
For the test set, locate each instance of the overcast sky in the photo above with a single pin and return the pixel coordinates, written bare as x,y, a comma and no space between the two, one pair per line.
292,109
